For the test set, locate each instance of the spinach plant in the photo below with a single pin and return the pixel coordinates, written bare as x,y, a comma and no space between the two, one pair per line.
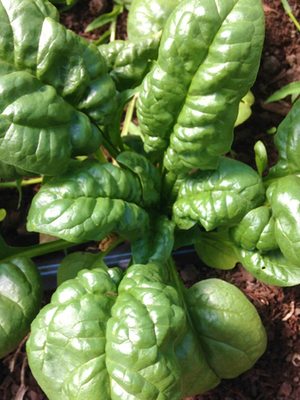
139,334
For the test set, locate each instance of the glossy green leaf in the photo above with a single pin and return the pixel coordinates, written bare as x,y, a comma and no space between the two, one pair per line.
290,89
52,82
149,176
231,332
104,330
261,157
256,231
284,198
271,268
208,60
245,109
157,242
75,262
88,203
20,299
148,17
287,141
128,62
215,252
11,173
218,198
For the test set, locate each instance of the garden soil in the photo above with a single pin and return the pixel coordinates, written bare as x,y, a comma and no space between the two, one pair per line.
277,374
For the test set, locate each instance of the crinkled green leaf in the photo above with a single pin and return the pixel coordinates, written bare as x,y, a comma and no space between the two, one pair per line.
218,198
88,203
75,262
287,141
149,176
284,198
52,82
157,242
208,60
148,17
128,62
271,268
256,231
20,298
215,252
134,340
72,329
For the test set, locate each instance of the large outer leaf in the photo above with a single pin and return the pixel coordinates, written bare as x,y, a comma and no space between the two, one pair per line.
255,231
66,349
90,202
51,82
208,59
287,141
284,197
271,268
129,61
20,298
232,335
218,198
120,342
148,17
96,344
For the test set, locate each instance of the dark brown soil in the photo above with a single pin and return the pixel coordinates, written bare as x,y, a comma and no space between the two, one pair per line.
277,374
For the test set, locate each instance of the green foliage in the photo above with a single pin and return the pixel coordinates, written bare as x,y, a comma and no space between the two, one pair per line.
292,89
167,346
261,157
148,17
20,299
184,99
104,19
128,62
142,335
245,109
54,86
218,198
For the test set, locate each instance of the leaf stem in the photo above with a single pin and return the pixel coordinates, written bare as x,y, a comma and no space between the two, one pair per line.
113,25
129,115
100,156
23,183
37,250
288,10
